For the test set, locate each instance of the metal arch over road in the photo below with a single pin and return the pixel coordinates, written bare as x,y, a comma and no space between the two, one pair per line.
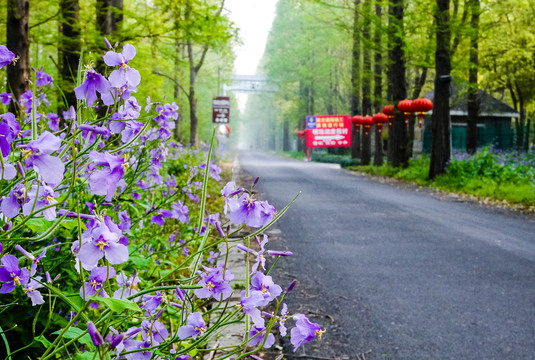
250,84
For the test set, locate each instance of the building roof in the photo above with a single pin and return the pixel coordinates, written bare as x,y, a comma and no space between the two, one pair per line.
489,105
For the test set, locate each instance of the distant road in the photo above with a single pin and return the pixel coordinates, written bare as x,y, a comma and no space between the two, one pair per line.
394,273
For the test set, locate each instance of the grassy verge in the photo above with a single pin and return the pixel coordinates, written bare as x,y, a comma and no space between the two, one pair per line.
488,174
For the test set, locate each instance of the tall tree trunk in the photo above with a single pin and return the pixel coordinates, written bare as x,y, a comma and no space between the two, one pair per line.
192,99
69,49
473,101
441,145
521,121
18,41
355,81
366,80
286,135
398,137
378,88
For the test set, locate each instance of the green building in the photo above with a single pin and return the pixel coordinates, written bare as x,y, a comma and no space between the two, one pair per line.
493,125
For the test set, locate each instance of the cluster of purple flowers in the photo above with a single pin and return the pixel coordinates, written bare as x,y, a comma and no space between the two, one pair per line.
46,155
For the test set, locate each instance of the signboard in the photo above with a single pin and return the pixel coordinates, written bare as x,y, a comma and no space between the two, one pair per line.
328,131
221,110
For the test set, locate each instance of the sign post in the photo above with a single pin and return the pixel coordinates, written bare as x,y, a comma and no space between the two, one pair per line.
328,131
221,110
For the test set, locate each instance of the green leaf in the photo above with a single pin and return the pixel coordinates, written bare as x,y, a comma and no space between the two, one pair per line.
117,305
140,262
71,224
38,224
73,333
43,341
88,355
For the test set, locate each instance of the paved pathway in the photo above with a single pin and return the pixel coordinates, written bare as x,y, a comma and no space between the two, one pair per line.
397,274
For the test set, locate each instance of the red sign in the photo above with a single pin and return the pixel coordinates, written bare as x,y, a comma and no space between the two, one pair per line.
328,131
221,110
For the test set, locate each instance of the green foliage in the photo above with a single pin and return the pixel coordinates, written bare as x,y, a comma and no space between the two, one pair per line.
489,173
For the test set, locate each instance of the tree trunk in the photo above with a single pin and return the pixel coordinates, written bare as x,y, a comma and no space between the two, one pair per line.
18,17
192,100
441,145
378,85
398,137
69,49
366,81
286,135
521,122
473,101
355,81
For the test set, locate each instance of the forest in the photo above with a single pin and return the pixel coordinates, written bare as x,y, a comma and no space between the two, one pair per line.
356,56
183,47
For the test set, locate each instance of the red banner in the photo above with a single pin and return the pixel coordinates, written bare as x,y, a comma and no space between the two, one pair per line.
328,131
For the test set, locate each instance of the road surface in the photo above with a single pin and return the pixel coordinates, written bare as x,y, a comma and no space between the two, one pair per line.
394,273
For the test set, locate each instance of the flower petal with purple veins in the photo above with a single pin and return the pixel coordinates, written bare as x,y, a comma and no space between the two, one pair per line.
6,56
50,168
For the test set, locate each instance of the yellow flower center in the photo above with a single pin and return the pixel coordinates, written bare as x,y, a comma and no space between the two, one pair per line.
49,199
319,333
101,244
210,285
94,284
26,153
16,280
200,329
124,166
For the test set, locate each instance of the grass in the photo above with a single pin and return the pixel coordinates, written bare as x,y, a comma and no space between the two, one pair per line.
488,174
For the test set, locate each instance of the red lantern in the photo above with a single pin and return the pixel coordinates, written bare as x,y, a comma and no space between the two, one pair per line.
367,121
357,120
379,119
389,111
421,106
406,107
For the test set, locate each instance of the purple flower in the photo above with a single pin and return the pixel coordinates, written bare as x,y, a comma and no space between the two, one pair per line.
154,331
282,327
6,57
42,78
11,204
102,240
29,256
249,306
304,331
6,98
88,89
266,286
94,334
50,168
9,129
125,74
151,303
105,180
249,211
213,257
53,121
127,286
195,327
39,197
214,284
257,335
31,291
11,275
94,287
180,212
124,221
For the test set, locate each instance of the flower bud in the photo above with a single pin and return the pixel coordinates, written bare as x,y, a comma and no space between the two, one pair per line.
280,253
116,341
291,286
94,334
219,229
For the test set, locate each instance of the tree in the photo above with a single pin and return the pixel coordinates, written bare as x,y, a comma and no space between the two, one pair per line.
366,79
69,48
378,89
473,102
17,31
440,151
355,81
397,138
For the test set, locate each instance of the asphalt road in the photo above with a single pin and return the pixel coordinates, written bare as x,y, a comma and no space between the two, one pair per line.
394,273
